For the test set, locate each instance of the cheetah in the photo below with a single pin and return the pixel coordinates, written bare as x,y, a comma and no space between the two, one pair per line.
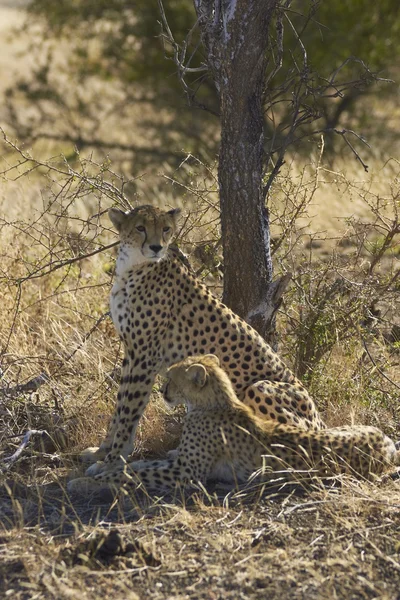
163,314
223,439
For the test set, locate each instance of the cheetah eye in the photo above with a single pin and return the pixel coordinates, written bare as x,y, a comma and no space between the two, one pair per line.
166,229
141,228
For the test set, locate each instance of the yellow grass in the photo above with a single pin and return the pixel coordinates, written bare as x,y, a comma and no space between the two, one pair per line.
337,543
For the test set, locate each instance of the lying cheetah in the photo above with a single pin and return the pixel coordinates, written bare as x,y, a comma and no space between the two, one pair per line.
222,439
163,314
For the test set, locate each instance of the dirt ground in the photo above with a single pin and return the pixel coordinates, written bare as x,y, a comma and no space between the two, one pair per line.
315,543
342,543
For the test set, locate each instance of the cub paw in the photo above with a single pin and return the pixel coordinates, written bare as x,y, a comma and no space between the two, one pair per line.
92,455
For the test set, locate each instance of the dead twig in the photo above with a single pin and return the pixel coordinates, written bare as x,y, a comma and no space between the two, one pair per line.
376,366
51,267
10,460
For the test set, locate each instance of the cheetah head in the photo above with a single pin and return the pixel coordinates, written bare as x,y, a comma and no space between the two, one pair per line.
196,381
145,233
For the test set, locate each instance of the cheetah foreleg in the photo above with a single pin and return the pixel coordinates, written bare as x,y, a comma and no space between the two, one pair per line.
133,397
96,454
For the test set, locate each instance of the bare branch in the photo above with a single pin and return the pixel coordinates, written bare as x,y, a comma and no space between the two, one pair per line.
54,266
377,367
10,460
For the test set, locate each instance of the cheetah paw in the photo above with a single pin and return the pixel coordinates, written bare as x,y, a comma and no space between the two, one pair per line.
96,469
102,468
92,455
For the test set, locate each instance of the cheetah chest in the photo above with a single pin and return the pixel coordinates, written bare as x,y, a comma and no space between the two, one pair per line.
119,307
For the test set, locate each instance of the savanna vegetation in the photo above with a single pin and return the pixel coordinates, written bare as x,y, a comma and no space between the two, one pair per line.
96,117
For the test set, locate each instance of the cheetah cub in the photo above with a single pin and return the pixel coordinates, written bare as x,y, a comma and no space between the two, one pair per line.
163,314
222,439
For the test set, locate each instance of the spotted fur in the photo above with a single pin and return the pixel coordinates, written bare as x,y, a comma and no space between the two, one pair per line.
163,314
223,439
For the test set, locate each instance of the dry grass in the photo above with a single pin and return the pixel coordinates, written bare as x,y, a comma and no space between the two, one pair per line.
322,543
337,543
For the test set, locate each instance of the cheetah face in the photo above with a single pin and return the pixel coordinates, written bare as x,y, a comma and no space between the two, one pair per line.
172,393
145,234
188,382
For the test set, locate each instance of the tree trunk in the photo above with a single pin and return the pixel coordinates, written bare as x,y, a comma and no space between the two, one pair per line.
236,36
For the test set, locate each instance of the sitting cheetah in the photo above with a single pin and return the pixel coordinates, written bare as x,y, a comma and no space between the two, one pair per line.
163,314
222,439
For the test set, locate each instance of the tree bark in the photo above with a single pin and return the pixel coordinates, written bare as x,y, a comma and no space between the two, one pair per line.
236,36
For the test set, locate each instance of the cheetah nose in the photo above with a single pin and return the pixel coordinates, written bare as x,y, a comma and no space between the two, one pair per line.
156,248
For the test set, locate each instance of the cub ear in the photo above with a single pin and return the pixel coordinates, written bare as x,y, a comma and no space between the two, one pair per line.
213,359
174,213
117,217
197,374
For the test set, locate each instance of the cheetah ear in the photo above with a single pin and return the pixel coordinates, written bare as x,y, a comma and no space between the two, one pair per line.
197,374
213,359
174,213
117,217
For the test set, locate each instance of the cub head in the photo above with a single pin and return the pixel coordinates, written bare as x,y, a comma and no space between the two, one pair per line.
197,381
145,233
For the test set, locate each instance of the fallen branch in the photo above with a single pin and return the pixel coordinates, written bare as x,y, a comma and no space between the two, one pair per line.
10,460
